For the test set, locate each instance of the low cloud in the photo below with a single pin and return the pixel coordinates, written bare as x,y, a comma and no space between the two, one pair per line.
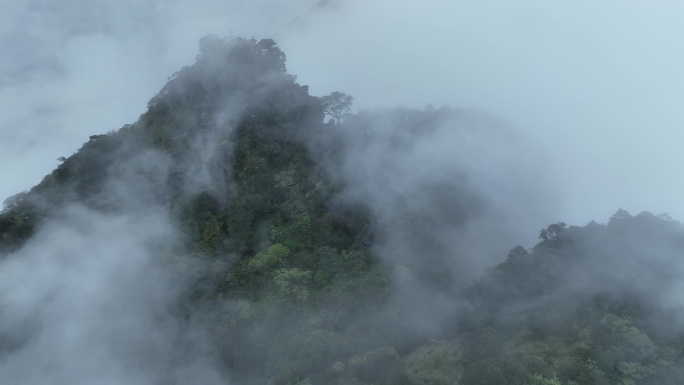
90,299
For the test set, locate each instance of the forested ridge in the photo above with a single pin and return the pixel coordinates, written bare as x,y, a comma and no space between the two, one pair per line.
298,271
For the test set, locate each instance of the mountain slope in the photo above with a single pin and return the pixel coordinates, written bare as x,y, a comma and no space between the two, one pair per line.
230,235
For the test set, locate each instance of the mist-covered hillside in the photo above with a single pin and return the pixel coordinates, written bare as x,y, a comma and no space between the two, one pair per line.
243,231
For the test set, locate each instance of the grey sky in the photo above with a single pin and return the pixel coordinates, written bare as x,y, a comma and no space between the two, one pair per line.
598,84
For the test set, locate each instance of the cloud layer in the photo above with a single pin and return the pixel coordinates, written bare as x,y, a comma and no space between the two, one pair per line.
91,300
597,85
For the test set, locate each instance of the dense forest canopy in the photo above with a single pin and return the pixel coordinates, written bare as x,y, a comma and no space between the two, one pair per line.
231,235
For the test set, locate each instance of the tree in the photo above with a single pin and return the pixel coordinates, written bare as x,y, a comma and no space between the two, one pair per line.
337,104
552,231
14,201
210,46
619,216
270,50
212,237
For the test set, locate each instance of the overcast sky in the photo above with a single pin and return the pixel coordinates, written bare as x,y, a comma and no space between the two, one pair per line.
599,84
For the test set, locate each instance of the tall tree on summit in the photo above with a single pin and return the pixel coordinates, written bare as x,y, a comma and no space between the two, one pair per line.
337,104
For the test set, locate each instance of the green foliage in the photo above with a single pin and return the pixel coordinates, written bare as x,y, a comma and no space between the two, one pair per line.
379,366
268,259
338,366
292,284
493,372
212,237
629,340
18,220
636,352
634,371
538,379
439,363
310,352
483,343
250,310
